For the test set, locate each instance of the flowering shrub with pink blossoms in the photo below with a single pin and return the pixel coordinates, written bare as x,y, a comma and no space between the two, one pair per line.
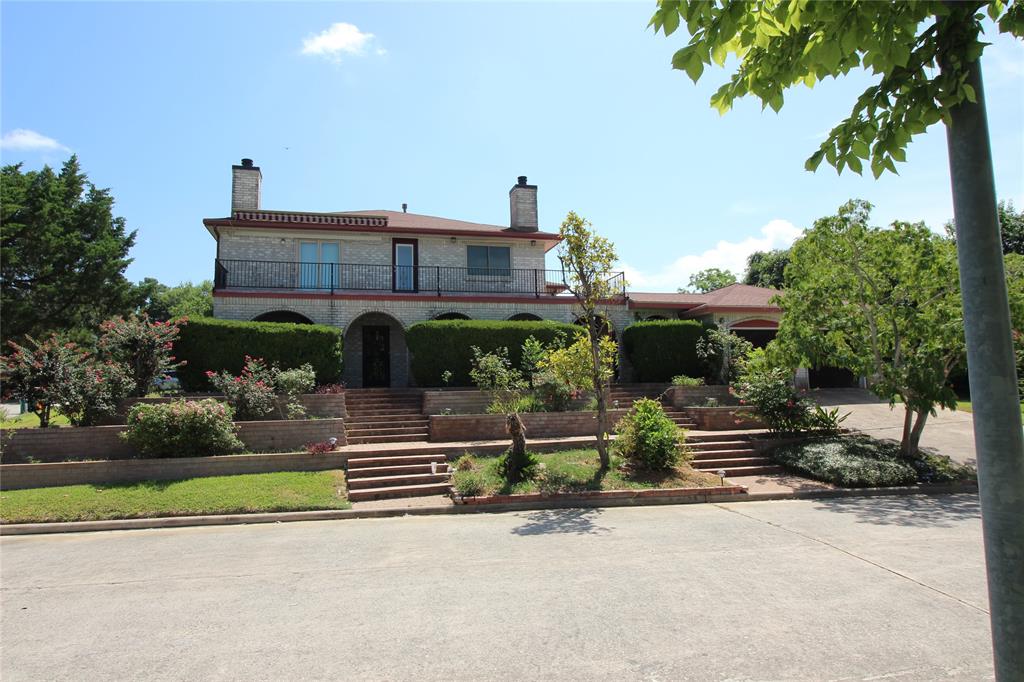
251,393
144,347
182,429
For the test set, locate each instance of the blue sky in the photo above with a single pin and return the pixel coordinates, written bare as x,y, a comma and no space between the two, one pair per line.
442,106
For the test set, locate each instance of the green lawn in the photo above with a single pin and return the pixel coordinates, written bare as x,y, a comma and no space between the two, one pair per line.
578,470
29,420
282,491
965,405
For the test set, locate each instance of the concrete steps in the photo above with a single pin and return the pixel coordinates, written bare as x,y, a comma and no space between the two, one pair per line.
388,476
734,457
381,415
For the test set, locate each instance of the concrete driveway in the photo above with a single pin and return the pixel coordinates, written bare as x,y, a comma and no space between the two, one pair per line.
948,433
862,588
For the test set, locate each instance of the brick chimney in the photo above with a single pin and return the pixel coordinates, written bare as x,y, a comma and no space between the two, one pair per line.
245,186
523,202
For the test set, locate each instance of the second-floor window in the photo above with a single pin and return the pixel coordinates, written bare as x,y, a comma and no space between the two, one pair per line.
490,260
319,264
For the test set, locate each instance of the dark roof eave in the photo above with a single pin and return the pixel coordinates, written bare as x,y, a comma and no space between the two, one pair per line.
231,222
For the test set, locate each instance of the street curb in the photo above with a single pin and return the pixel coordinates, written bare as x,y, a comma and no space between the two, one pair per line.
339,514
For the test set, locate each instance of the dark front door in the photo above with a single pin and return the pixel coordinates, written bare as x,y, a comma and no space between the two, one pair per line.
376,356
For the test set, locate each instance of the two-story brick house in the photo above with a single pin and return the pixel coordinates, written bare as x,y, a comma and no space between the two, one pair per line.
374,273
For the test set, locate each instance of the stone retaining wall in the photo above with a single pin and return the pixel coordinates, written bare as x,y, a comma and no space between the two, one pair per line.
319,405
18,476
724,418
468,401
687,396
457,427
60,444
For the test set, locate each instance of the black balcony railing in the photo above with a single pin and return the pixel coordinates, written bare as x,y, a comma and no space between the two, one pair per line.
428,279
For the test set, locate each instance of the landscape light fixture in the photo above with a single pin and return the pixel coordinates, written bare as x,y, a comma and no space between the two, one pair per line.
721,475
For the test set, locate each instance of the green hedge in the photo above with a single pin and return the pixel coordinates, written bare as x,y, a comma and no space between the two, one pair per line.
440,345
662,349
209,344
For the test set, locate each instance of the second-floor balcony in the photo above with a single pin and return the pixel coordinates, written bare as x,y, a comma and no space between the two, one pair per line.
256,275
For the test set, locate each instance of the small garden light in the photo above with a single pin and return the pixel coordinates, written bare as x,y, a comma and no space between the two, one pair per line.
333,441
721,475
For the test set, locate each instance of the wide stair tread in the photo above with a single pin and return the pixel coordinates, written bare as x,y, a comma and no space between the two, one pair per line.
723,454
399,491
757,470
394,480
395,460
730,463
394,470
704,446
363,440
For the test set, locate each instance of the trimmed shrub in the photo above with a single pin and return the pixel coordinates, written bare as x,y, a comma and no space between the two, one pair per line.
210,345
647,437
182,429
683,380
438,346
848,462
662,349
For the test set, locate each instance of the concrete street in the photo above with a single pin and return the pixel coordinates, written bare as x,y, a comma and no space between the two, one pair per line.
949,433
861,588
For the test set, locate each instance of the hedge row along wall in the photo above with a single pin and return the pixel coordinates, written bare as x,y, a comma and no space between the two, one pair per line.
211,344
440,345
662,349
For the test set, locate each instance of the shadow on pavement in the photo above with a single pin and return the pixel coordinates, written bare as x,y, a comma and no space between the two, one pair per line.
564,521
936,511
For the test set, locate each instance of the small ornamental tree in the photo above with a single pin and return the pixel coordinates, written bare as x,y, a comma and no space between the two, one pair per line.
587,260
572,365
143,346
494,372
251,393
39,372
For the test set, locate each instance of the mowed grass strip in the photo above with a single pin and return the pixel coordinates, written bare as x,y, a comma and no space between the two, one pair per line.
241,494
30,420
578,470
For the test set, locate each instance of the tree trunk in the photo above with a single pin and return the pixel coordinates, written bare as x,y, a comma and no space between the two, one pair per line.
602,428
990,361
44,416
915,434
516,429
908,427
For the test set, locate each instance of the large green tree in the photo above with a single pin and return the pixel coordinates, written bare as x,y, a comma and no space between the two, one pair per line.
767,269
62,253
926,56
162,302
884,304
709,279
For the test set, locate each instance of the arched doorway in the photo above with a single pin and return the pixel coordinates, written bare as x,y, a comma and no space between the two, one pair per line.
282,316
375,354
525,317
452,316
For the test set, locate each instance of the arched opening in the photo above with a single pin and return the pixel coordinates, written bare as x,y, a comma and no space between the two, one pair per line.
451,316
525,317
282,316
375,354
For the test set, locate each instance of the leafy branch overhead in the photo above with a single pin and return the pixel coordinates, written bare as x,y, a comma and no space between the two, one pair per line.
780,44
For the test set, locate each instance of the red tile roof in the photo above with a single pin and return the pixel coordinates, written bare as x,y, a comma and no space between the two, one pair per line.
732,296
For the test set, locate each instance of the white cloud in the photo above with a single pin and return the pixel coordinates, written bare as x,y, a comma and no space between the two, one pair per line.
339,39
777,234
24,140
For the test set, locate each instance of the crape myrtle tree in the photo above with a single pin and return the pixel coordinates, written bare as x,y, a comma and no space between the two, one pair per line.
926,56
62,253
587,260
884,304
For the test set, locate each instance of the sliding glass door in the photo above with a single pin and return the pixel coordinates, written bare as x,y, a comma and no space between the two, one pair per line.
319,265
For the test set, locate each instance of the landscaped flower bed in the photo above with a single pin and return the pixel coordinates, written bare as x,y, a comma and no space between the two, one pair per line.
574,471
864,462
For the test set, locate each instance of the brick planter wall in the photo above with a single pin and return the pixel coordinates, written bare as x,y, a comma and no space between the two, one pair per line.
687,396
18,476
538,425
467,401
724,418
319,405
102,442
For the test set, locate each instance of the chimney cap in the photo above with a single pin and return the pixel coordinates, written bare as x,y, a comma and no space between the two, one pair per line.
522,181
246,163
